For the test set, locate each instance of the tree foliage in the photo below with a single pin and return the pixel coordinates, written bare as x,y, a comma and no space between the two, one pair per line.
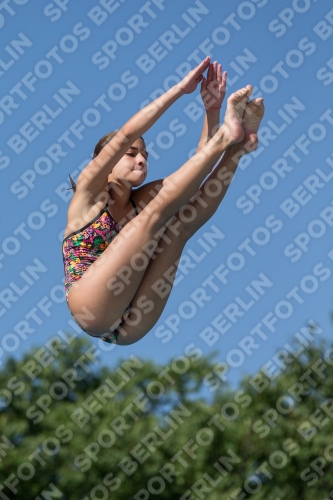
73,429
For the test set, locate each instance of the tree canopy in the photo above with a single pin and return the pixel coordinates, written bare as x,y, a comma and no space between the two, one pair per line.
74,429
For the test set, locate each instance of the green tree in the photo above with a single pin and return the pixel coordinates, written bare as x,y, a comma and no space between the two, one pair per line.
73,429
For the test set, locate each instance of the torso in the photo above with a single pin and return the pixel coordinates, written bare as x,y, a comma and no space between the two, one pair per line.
82,247
80,213
91,228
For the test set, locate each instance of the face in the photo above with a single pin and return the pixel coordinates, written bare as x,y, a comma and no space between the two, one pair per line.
133,165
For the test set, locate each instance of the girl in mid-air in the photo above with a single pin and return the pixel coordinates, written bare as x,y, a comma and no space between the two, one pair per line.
113,280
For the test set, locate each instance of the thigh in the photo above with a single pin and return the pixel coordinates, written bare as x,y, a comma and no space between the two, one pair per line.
99,298
152,295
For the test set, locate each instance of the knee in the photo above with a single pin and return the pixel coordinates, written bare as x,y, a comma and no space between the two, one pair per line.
153,217
190,219
181,228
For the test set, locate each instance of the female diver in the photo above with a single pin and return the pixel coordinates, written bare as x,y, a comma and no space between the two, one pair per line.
112,283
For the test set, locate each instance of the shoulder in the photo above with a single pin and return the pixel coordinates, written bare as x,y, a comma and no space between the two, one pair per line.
83,209
144,194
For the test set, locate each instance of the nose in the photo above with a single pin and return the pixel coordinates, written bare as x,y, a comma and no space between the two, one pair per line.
141,160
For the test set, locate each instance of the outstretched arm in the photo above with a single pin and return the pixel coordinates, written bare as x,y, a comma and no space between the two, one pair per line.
213,89
94,176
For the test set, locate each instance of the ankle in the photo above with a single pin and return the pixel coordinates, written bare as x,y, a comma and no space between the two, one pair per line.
250,145
221,139
234,153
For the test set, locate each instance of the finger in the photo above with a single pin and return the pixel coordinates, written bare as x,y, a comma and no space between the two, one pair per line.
219,73
212,71
215,70
203,84
224,79
202,66
208,73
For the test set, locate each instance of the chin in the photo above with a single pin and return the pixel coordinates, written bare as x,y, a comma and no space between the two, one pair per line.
139,179
137,184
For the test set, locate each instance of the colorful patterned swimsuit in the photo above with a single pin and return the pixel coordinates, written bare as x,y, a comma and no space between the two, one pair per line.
81,248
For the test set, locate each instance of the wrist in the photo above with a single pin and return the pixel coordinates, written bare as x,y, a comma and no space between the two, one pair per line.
214,112
178,89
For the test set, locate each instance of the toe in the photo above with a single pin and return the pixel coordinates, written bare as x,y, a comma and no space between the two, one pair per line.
259,101
249,90
239,95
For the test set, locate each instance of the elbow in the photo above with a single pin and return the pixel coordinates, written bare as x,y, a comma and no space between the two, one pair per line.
128,134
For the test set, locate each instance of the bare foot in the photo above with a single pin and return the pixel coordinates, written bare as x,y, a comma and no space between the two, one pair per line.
232,127
253,115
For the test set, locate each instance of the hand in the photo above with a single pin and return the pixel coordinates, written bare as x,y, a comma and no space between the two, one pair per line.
213,89
191,80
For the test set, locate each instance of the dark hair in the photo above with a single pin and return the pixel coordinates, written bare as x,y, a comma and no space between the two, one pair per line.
98,148
103,142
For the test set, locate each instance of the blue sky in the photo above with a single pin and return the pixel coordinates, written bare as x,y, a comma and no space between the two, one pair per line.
283,50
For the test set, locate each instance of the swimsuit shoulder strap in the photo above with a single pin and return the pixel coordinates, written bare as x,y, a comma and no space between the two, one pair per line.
134,206
132,202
